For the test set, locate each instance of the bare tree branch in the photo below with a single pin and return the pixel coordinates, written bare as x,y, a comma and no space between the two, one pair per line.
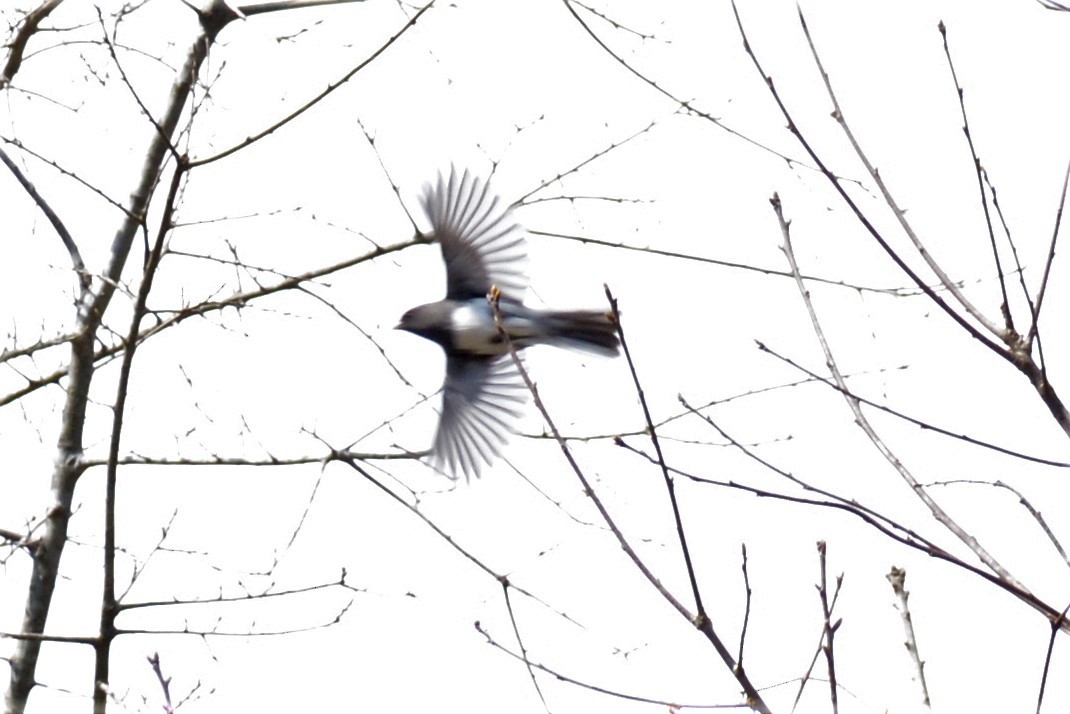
688,106
699,620
109,603
830,627
1058,623
557,674
1043,289
945,281
80,375
670,485
903,292
897,577
29,27
1017,351
177,316
863,423
53,218
331,87
927,426
1005,305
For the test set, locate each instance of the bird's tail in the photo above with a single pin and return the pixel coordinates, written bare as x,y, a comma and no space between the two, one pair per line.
588,330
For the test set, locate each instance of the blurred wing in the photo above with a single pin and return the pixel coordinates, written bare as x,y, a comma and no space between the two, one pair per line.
480,405
481,243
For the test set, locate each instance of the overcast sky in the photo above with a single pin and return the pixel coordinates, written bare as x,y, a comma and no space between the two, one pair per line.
522,90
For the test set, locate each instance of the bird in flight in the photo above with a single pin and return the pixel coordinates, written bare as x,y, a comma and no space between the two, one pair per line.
484,249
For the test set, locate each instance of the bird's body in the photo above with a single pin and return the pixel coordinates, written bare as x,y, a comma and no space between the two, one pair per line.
484,248
472,331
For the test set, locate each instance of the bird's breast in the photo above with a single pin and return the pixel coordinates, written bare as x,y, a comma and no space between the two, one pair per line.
474,331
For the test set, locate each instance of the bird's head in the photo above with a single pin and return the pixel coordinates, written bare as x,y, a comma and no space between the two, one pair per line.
416,319
431,321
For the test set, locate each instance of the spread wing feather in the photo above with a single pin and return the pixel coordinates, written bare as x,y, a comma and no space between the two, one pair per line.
481,402
481,242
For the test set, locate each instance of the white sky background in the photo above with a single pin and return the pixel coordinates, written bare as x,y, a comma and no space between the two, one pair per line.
455,89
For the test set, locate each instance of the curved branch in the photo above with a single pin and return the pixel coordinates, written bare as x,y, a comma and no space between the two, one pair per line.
53,218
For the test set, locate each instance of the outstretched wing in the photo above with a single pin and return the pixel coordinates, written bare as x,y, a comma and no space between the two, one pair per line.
481,243
481,401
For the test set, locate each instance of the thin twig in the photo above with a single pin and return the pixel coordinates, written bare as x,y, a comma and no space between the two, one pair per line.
331,87
1005,306
897,577
165,682
340,582
504,580
913,420
282,5
415,510
746,611
670,484
829,626
1026,504
1019,271
590,159
899,292
164,135
1043,289
557,674
280,632
809,673
215,460
682,103
15,352
1057,624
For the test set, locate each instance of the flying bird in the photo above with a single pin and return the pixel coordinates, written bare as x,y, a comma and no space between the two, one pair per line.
484,249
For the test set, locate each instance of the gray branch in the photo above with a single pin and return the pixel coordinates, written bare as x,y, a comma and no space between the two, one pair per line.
68,463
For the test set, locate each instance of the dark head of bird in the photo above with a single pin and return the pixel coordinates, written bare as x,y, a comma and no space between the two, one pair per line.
430,321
